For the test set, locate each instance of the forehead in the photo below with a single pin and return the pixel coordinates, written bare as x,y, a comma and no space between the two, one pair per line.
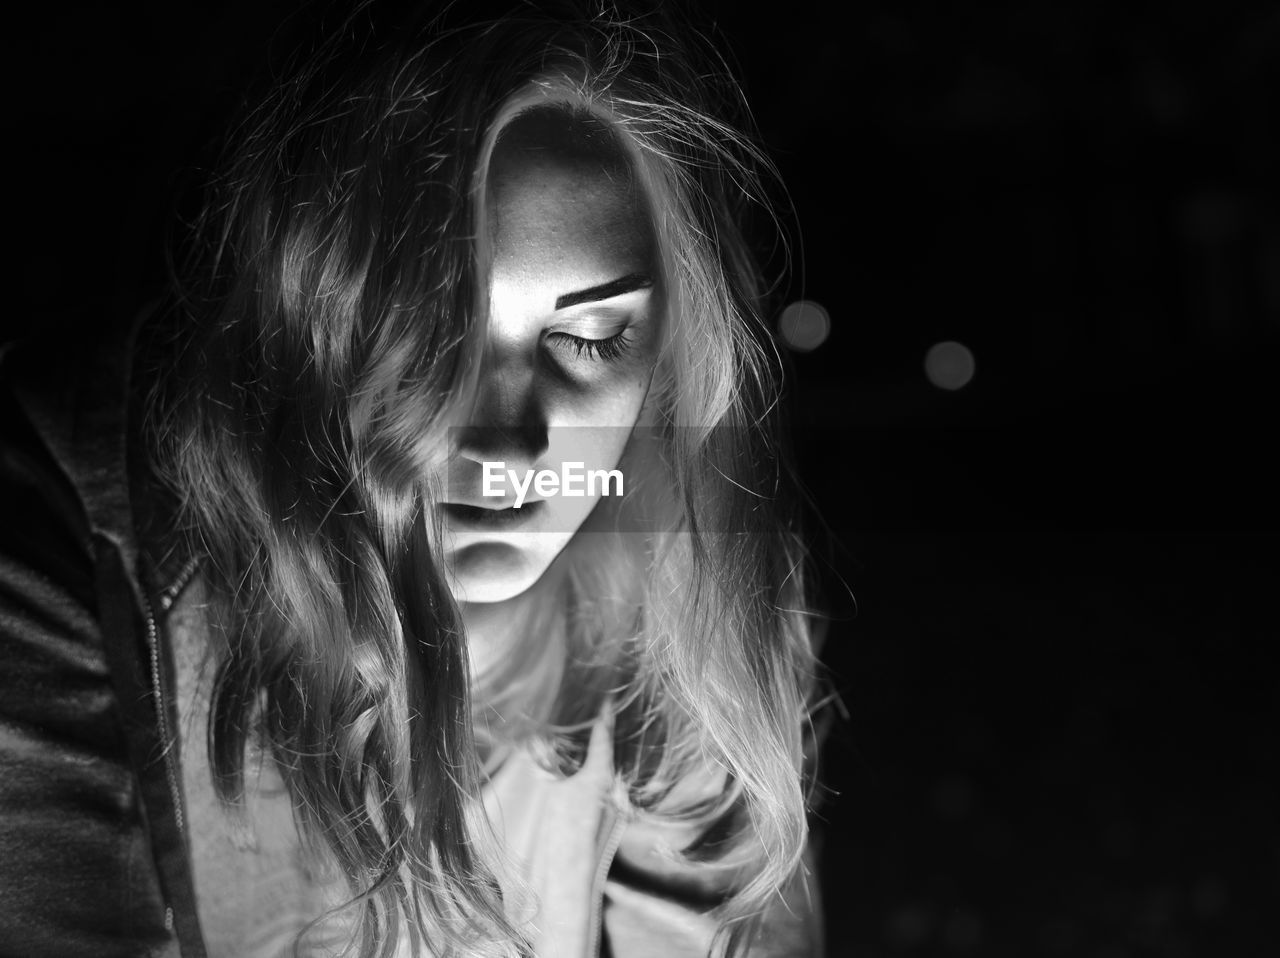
564,205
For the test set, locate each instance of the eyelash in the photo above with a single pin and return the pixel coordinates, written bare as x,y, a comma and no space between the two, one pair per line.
603,350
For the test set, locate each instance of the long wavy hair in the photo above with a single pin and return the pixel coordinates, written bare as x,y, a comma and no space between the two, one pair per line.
329,333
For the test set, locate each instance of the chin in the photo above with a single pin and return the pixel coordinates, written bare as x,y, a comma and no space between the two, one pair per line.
490,572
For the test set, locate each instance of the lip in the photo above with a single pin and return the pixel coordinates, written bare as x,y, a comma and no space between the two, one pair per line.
480,517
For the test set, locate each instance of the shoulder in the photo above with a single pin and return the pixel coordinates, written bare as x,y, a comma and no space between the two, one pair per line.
70,407
65,751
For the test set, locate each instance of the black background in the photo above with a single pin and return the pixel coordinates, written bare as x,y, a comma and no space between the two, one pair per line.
1060,734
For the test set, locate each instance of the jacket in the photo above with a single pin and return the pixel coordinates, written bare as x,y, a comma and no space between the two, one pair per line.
95,834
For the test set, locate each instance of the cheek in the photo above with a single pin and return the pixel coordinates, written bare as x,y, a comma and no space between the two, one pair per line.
613,396
622,406
594,425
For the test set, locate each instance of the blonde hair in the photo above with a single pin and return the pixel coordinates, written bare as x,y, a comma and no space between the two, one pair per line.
332,331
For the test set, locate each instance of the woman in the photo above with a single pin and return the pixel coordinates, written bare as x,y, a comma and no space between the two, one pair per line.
287,665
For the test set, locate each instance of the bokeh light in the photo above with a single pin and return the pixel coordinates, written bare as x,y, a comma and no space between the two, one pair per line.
804,326
949,365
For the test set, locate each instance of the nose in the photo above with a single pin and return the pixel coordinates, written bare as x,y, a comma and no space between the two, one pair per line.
508,422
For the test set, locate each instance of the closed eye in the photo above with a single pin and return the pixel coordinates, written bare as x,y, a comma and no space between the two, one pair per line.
606,350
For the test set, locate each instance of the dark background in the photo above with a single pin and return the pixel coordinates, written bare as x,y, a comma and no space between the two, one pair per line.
1060,733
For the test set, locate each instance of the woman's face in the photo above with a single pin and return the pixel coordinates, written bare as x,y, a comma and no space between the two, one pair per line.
573,334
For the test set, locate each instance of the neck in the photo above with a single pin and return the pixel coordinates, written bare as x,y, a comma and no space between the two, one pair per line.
492,631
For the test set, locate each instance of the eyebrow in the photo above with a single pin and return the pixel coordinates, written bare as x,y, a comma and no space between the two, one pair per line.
627,284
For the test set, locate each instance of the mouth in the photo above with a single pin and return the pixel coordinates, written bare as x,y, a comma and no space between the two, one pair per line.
478,517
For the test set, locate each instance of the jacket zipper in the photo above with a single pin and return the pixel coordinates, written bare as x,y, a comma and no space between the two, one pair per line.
598,882
167,598
179,583
162,719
